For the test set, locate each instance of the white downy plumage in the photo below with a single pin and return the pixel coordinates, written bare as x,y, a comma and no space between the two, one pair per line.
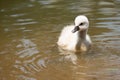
74,37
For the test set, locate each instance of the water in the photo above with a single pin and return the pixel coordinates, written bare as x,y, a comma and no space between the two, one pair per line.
29,30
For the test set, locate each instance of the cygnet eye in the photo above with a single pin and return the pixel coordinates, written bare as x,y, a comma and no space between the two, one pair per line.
81,24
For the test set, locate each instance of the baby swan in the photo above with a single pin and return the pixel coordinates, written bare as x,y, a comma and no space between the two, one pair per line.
74,37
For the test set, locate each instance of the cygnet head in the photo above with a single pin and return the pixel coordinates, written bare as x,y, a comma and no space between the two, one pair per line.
81,23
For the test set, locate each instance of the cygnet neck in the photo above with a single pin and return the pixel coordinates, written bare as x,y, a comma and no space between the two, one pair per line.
81,38
82,34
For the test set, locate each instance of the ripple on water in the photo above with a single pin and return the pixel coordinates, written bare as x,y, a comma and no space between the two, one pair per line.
26,21
28,48
30,59
17,15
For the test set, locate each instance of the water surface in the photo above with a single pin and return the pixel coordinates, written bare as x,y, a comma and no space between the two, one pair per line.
29,30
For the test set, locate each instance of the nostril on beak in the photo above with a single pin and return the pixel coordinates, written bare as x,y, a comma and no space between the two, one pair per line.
75,29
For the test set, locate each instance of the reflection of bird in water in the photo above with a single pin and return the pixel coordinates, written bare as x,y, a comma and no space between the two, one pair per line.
70,56
74,37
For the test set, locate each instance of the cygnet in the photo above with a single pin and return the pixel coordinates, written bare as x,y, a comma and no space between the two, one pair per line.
74,37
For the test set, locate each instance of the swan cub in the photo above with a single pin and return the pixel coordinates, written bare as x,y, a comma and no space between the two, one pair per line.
74,37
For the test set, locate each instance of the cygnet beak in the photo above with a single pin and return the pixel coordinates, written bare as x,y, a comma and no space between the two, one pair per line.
75,29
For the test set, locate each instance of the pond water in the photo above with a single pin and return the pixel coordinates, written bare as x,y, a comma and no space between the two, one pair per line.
29,30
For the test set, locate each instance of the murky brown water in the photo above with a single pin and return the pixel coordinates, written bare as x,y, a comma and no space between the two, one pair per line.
29,30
